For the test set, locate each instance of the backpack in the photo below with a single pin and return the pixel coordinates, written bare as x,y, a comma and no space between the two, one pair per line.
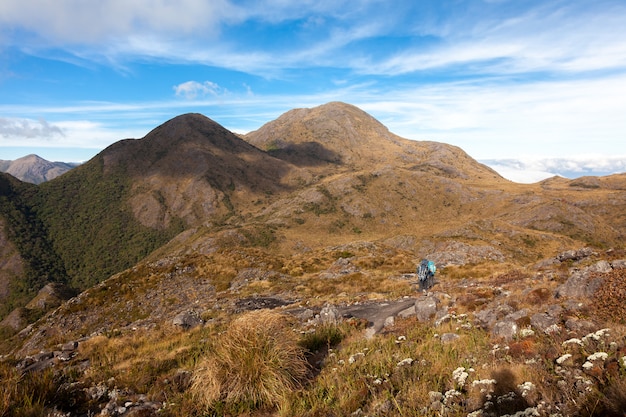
423,270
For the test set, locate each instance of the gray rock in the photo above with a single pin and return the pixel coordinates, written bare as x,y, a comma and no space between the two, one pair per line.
449,337
574,255
426,308
517,315
544,322
600,266
69,346
187,320
583,283
487,318
329,315
506,329
619,264
580,327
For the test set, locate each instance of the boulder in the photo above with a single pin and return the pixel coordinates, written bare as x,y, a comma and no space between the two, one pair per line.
579,326
585,282
574,255
487,318
618,264
449,337
544,322
426,308
187,320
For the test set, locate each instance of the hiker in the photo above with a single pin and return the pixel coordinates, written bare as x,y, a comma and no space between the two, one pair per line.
426,274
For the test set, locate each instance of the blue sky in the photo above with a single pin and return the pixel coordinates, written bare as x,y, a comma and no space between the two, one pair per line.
532,87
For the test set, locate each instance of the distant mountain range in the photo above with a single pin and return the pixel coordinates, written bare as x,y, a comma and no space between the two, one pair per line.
33,169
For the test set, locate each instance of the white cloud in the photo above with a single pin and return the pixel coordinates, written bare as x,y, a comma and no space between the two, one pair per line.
191,90
80,22
500,119
28,129
532,170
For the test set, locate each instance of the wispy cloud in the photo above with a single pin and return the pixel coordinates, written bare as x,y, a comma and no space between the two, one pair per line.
191,90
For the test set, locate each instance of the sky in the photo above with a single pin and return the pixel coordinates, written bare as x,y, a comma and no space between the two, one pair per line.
533,88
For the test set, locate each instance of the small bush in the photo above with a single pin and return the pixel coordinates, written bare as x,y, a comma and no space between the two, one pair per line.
254,365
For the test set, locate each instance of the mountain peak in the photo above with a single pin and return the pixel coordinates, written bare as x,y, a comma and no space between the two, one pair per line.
34,169
336,133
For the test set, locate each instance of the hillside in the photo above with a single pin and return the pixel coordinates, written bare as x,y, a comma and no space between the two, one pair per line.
33,169
174,237
192,174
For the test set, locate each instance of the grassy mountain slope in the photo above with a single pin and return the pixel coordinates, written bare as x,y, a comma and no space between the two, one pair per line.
137,194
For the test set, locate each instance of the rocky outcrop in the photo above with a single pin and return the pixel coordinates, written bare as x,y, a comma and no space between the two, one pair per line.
187,320
585,282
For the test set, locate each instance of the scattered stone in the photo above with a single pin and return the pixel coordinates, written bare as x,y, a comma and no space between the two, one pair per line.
449,337
187,320
329,315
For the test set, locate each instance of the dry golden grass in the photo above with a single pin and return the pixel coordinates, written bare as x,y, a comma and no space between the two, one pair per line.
255,363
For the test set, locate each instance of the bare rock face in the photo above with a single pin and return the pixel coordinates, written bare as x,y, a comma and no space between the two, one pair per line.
16,320
50,296
330,315
584,283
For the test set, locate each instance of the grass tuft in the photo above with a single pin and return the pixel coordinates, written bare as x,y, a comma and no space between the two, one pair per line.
255,364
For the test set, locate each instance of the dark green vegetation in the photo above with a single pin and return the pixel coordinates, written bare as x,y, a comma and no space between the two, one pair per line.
75,230
91,228
26,230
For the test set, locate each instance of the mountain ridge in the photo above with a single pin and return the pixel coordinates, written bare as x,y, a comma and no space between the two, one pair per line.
191,185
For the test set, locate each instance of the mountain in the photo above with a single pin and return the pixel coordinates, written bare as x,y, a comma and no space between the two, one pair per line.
171,238
344,136
312,178
33,169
